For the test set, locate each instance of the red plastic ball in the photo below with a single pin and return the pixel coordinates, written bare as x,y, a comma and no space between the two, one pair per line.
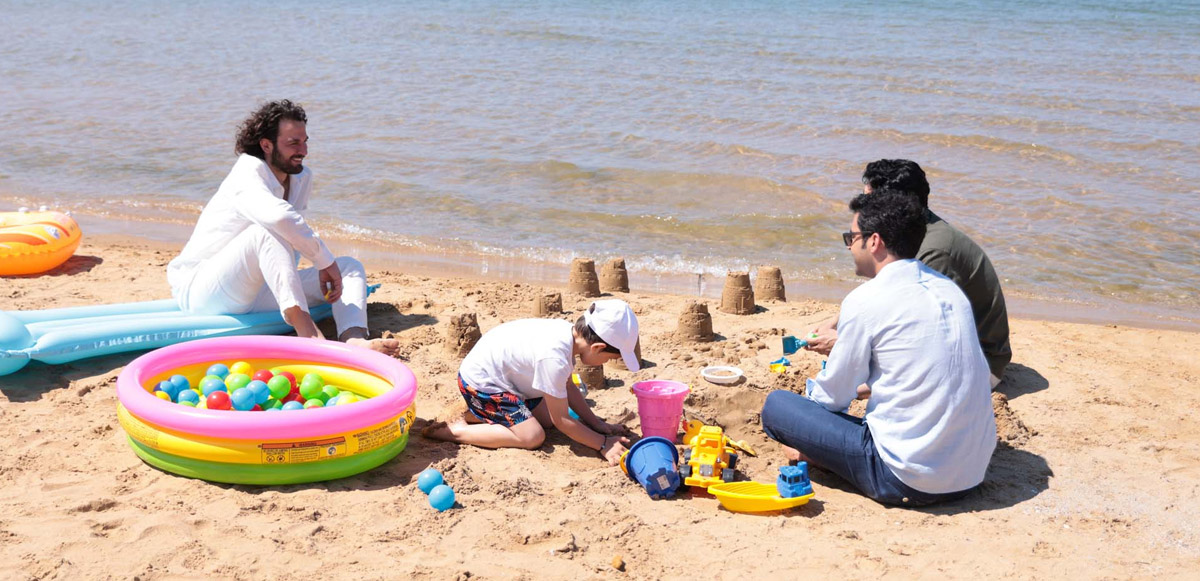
263,375
218,400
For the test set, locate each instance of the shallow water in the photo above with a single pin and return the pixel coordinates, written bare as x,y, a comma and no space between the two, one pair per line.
1063,137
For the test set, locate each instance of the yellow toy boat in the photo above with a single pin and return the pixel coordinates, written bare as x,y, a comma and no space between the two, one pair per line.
33,242
754,497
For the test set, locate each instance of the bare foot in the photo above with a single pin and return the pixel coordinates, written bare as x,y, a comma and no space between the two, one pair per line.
439,430
793,455
390,347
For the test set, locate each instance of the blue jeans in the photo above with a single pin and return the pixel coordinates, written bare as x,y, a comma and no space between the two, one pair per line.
841,444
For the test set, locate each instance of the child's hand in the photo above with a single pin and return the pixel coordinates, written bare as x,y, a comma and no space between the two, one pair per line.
613,448
608,429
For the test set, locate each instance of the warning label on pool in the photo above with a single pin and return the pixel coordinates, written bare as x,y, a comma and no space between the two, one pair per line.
371,439
297,452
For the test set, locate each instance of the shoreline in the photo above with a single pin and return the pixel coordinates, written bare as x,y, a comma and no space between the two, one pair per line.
482,267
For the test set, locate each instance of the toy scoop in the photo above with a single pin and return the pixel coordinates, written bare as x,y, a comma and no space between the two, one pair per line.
792,344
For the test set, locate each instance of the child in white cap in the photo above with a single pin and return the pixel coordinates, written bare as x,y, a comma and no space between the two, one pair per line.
522,369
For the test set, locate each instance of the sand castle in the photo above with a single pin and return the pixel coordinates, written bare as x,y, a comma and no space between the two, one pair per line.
695,324
547,304
619,363
614,277
737,298
583,279
591,375
769,286
462,333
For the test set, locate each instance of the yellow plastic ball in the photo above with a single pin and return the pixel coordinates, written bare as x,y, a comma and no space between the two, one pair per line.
242,367
163,395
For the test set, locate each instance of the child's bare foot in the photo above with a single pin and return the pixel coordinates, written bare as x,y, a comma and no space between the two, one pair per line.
389,347
440,430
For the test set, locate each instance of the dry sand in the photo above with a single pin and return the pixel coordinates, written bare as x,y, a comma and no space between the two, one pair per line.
1095,477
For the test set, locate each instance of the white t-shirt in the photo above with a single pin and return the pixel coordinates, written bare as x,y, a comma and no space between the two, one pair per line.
529,357
909,333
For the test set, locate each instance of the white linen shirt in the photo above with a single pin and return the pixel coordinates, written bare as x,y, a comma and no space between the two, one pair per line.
250,195
529,358
909,334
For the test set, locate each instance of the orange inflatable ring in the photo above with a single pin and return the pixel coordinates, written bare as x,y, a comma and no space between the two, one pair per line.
33,242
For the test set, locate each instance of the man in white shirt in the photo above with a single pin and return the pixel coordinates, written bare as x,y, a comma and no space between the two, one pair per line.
909,334
243,255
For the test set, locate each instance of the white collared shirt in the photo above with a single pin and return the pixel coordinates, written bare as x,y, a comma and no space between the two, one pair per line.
909,334
250,194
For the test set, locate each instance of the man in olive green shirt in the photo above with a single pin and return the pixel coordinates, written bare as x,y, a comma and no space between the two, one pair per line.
950,252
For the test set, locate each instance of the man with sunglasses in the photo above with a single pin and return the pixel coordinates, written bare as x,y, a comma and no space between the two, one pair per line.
950,252
909,335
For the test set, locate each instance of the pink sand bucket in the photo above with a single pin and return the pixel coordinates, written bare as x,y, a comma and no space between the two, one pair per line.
660,405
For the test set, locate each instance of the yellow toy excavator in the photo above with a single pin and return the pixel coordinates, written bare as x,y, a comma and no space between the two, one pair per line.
711,456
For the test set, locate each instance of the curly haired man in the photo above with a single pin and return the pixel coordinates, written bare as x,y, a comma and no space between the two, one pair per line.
244,253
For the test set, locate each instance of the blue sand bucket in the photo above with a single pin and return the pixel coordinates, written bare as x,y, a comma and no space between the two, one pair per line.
651,462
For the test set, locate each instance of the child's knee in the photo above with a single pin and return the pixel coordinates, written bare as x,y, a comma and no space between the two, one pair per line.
349,266
530,435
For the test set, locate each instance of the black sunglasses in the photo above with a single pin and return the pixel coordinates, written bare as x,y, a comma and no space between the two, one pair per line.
848,237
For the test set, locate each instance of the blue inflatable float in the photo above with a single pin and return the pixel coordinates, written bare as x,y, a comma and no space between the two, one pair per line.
62,335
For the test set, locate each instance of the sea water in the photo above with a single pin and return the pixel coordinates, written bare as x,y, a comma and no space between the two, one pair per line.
689,139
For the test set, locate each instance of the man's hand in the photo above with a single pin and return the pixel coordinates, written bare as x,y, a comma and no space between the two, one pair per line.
613,448
823,342
331,282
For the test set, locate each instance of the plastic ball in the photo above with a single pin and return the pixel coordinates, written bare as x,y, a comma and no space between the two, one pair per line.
288,374
180,382
237,381
279,386
241,367
272,404
212,383
242,399
190,404
164,386
218,400
218,369
311,385
260,390
428,478
347,398
163,395
273,409
262,375
256,408
332,401
187,396
293,405
329,392
314,403
441,497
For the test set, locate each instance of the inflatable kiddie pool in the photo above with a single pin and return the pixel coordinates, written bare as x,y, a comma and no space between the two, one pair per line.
264,448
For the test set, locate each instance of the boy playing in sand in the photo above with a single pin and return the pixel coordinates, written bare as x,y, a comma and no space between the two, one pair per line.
522,370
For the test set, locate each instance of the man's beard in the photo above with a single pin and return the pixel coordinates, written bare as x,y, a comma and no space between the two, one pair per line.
285,165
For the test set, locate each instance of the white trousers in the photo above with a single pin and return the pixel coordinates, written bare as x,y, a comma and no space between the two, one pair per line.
257,272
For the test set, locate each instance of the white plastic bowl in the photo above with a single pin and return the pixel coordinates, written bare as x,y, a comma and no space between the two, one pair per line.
721,374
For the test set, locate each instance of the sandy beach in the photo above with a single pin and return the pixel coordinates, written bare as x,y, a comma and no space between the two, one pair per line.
1094,476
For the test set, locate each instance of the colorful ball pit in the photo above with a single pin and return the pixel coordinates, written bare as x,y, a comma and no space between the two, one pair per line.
241,447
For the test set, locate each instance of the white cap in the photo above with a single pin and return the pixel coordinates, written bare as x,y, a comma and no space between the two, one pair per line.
615,323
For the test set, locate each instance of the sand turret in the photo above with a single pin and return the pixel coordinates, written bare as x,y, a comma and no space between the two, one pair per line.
695,324
769,286
614,277
583,279
462,333
547,304
737,298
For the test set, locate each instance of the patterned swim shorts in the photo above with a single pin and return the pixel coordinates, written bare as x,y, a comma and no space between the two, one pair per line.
505,409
